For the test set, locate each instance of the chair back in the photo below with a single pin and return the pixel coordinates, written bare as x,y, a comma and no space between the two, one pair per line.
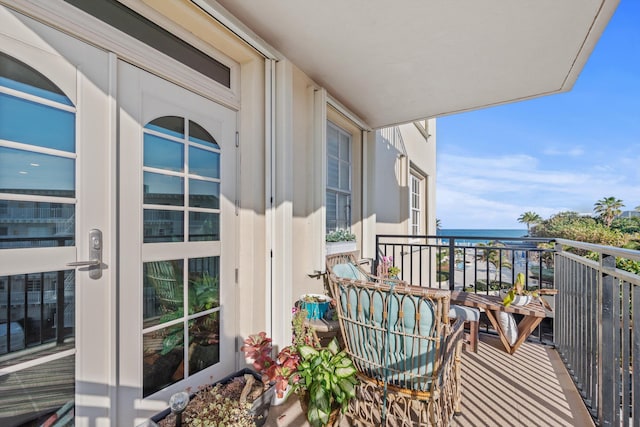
395,333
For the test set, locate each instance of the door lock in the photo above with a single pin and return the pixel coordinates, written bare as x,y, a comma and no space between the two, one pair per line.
94,265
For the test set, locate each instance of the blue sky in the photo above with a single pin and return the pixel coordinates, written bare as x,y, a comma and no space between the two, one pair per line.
547,155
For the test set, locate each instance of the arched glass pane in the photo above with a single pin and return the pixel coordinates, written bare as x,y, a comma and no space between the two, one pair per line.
17,75
199,135
170,125
33,123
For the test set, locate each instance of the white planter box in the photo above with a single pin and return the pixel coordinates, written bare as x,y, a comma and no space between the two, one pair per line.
340,247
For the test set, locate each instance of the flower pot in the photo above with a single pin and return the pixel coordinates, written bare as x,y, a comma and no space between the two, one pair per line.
340,247
304,404
315,309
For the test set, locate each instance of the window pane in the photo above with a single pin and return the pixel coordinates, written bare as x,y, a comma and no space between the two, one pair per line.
163,154
42,309
345,147
331,209
36,124
163,355
204,226
162,292
343,211
204,341
199,135
204,287
204,163
35,391
345,182
332,141
170,125
163,226
26,172
17,75
204,194
36,224
332,173
163,189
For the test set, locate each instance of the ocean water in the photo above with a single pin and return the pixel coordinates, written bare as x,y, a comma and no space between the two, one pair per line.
478,234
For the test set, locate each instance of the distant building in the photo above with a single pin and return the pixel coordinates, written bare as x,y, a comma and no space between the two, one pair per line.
629,214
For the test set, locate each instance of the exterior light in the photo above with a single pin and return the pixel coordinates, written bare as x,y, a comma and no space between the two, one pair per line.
178,403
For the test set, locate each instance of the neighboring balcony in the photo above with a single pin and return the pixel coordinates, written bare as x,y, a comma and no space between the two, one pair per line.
592,327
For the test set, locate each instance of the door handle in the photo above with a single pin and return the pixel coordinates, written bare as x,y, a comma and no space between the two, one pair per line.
95,255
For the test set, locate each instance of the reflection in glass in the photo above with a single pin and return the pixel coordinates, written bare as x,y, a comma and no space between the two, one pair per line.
204,194
204,163
32,392
162,292
204,284
169,125
163,153
199,135
204,226
32,123
163,189
163,354
42,309
36,224
163,226
26,172
19,76
332,141
204,342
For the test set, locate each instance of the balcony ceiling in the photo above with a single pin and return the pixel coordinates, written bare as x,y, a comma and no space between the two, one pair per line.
393,62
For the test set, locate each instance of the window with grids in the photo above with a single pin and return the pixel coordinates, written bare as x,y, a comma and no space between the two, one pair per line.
415,210
339,167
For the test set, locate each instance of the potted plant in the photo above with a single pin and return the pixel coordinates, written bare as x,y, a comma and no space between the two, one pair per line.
518,295
341,240
316,305
279,372
326,383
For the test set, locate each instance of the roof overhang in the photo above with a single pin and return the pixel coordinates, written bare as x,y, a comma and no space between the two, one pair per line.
394,62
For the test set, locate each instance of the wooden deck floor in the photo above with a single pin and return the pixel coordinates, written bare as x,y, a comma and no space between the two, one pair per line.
530,388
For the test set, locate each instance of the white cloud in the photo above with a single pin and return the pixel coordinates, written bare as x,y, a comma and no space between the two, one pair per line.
571,152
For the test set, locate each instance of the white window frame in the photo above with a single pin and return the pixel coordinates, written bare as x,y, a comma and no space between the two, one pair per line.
337,190
416,185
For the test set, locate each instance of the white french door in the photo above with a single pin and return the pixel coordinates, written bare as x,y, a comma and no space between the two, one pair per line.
99,158
56,173
177,239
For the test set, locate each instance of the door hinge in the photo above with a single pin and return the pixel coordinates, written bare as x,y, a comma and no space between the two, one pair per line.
237,203
237,139
236,276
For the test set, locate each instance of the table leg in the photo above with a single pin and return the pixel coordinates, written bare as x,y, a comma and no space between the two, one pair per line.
493,318
526,326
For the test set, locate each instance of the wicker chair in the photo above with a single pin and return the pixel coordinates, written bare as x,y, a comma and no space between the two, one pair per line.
401,341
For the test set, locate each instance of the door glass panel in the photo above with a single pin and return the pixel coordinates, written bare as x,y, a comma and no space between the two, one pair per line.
163,189
163,226
163,358
163,293
204,194
204,336
26,172
199,135
32,123
163,154
170,125
204,163
204,286
204,226
36,224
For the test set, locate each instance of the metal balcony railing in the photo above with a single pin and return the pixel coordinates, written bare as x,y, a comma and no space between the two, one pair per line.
595,327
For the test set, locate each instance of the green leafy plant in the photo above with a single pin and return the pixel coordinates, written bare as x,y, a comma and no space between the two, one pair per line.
517,289
340,235
328,377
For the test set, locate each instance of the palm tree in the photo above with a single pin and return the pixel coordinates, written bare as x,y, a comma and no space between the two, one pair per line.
438,224
529,218
608,208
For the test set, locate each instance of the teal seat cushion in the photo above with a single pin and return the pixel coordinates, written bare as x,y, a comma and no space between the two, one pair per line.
468,314
349,271
404,349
